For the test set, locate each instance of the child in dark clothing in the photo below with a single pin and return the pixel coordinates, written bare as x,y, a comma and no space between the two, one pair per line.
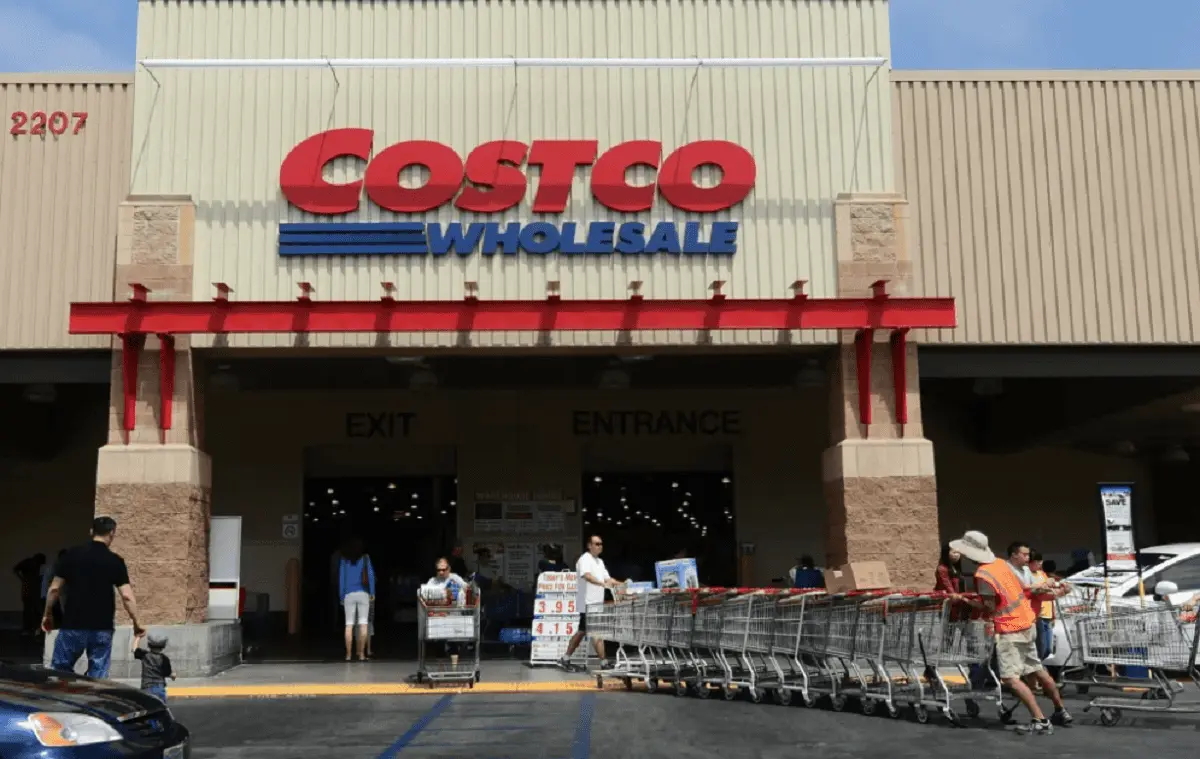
156,666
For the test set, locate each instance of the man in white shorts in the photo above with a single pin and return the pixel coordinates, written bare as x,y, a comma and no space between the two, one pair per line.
593,578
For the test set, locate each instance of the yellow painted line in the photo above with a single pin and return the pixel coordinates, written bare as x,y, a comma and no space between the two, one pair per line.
379,689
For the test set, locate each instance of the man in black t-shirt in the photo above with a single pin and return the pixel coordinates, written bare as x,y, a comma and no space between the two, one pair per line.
90,572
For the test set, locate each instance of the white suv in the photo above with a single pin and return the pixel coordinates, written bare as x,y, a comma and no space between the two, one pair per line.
1171,572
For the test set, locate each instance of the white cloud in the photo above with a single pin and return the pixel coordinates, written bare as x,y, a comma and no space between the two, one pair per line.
32,40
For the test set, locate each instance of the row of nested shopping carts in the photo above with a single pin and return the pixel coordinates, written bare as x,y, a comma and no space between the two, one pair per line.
885,649
1141,656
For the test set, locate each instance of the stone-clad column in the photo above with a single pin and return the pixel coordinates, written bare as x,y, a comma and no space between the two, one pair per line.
157,483
880,484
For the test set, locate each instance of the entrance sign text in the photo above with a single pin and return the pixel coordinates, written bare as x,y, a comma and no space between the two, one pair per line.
493,179
697,422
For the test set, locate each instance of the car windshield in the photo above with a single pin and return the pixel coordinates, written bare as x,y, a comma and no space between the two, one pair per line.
1147,561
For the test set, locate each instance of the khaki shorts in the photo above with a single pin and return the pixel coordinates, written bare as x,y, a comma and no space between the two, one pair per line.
1017,654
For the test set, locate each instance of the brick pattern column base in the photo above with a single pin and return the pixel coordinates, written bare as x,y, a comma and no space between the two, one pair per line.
882,506
160,497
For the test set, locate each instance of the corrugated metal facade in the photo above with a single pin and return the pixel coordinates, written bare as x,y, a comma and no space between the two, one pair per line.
220,135
1056,208
58,201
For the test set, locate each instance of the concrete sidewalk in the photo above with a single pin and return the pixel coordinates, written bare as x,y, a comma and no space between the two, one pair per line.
370,678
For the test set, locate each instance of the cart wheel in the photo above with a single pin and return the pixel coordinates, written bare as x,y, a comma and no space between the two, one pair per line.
808,701
837,702
755,695
729,693
478,675
951,716
1006,716
783,696
702,691
868,706
599,682
651,684
893,711
628,682
420,678
921,713
681,688
1109,716
972,709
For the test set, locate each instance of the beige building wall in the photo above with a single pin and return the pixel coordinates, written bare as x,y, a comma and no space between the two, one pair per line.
262,450
814,132
1056,208
61,178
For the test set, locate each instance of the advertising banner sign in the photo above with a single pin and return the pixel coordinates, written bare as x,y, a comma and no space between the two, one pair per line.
1120,547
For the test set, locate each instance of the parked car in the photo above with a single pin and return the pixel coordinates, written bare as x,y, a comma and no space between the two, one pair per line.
1169,573
46,714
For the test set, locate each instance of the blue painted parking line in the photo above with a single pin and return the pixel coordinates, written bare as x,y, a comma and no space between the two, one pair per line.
581,745
418,727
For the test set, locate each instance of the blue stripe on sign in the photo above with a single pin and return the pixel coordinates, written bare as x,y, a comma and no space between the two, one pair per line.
357,238
406,249
426,719
365,226
581,746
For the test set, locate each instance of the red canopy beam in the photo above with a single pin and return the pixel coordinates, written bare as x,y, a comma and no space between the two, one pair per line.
389,315
138,317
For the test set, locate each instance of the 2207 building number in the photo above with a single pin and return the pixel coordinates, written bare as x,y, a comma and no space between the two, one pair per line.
40,122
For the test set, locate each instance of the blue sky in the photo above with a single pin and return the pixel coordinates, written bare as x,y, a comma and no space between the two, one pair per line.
97,35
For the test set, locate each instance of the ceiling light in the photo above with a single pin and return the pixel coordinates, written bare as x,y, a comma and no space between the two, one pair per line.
414,495
374,499
725,480
343,511
329,491
688,494
685,503
454,503
316,519
597,479
443,511
377,508
335,502
312,503
674,484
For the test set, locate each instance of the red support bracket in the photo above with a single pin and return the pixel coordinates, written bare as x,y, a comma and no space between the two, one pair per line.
166,378
635,290
389,292
879,289
553,291
716,286
472,292
306,291
131,352
900,374
863,343
798,289
139,292
223,291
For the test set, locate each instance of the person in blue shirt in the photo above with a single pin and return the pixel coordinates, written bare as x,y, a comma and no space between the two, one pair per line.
356,588
806,575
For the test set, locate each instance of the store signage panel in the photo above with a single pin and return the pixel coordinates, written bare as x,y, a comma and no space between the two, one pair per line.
386,424
492,180
657,423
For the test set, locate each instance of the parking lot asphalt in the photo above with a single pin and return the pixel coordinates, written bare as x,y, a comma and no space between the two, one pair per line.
619,725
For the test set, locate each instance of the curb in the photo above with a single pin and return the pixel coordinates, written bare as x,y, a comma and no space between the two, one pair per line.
299,690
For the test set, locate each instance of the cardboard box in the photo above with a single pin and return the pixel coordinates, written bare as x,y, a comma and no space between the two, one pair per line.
858,575
676,574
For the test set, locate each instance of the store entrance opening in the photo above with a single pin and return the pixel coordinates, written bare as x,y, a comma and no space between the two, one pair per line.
405,523
649,517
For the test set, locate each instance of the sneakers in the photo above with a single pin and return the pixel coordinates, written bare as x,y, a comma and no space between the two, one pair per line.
1062,718
1037,727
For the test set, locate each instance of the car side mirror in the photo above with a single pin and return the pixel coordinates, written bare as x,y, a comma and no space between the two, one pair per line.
1165,588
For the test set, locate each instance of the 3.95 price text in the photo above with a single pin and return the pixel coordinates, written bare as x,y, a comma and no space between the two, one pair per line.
39,123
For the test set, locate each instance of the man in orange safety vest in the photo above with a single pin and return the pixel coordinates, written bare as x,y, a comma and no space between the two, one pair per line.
1014,621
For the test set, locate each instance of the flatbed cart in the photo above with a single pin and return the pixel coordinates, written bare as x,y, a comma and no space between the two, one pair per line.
447,621
1154,638
793,668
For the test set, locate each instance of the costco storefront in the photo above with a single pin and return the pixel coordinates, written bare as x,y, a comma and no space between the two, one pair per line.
663,298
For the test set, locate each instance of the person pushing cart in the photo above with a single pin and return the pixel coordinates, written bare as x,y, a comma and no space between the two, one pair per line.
449,612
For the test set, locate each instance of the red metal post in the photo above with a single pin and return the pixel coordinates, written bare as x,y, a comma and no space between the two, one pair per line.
131,351
166,372
863,343
900,374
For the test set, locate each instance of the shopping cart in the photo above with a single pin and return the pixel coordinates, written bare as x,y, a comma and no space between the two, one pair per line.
747,628
625,613
947,635
829,635
1156,639
452,622
689,645
656,659
1080,604
793,667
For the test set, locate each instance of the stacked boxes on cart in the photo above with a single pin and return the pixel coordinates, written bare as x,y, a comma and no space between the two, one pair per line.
885,649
